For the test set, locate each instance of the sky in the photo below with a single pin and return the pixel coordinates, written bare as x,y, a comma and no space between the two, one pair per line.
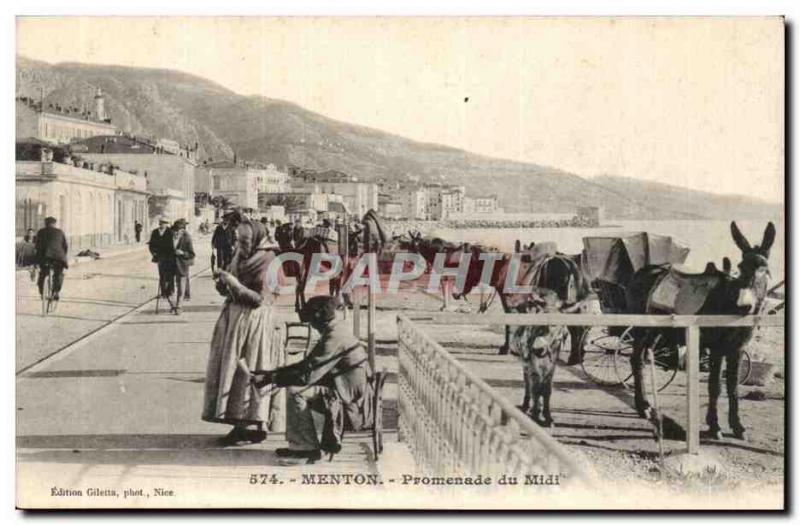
692,102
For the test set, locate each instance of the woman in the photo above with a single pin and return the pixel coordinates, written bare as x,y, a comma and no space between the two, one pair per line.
243,335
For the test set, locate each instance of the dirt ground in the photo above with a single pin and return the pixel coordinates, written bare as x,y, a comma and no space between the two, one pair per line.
600,421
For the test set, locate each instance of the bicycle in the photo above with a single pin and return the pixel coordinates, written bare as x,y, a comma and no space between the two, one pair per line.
49,303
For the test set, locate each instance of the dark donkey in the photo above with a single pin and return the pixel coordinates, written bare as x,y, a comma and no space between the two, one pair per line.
552,271
740,295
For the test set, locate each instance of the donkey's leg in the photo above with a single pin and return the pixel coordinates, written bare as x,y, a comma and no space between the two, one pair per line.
731,387
714,373
504,349
575,333
526,400
547,390
641,404
447,287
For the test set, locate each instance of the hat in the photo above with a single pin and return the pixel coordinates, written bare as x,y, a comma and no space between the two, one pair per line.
163,220
318,310
180,222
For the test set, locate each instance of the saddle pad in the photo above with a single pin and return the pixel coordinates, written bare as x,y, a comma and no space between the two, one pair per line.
681,295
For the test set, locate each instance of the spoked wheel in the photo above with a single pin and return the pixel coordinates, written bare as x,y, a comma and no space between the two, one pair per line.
745,366
665,357
600,347
47,295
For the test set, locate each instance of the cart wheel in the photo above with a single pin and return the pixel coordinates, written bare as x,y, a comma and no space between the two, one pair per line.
600,349
377,411
745,367
666,361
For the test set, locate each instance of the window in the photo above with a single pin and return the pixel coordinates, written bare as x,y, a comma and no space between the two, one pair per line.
217,183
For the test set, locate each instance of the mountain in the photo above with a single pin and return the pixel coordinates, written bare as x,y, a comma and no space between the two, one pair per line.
190,109
708,205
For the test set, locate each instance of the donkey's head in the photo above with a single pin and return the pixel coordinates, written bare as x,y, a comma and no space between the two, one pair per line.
753,278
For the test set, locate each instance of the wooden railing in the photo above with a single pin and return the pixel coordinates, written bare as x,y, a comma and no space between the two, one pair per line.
456,424
691,323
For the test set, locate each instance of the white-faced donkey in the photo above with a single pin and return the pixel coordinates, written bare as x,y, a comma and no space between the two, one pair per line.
538,348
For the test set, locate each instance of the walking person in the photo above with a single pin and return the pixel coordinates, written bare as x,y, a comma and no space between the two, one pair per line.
184,259
337,367
163,251
244,331
137,229
222,242
51,254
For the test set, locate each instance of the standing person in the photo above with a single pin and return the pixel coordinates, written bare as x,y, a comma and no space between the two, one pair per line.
265,224
222,243
338,364
184,258
137,229
244,332
51,253
163,252
298,233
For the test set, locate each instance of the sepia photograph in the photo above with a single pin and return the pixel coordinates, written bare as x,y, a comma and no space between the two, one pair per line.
417,263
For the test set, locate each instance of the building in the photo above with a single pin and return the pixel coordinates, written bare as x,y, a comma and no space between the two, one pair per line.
358,197
444,200
273,180
488,204
390,208
170,175
590,215
237,181
414,200
52,122
94,207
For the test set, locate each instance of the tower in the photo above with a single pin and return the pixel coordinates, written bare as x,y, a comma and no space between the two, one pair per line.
99,105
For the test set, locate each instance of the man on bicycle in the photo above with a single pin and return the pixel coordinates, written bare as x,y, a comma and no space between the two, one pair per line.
51,253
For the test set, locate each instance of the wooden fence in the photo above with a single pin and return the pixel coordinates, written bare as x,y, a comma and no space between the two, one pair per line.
456,424
691,323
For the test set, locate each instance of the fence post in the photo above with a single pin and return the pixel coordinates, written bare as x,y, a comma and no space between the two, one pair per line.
371,315
693,389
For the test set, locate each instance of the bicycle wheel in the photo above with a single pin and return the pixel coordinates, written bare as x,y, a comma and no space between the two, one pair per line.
665,357
47,293
600,348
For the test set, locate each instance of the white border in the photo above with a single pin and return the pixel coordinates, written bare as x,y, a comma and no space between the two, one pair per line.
791,9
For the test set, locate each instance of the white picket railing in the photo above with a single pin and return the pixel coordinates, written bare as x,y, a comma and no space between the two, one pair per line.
456,424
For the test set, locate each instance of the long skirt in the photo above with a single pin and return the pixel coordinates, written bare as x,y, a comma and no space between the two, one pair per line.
244,333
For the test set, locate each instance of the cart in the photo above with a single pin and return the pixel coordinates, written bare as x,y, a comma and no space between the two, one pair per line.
610,262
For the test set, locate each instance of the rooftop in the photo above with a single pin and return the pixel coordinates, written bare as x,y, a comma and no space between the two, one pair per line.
62,110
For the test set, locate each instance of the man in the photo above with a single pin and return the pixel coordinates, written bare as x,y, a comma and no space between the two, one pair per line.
222,242
298,233
265,223
163,252
137,229
337,367
184,258
51,253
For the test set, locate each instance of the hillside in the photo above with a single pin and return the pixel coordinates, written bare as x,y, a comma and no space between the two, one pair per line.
190,109
711,205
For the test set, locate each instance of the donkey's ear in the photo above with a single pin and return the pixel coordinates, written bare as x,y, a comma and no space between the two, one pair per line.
769,238
739,239
726,265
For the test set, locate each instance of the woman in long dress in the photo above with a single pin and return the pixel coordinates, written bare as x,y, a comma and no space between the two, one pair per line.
245,332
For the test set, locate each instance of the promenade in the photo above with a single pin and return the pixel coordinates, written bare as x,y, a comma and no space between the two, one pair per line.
120,408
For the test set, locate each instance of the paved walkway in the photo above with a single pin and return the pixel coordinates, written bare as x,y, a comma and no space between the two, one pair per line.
122,409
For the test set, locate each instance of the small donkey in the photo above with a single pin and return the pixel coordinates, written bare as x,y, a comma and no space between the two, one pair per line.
538,348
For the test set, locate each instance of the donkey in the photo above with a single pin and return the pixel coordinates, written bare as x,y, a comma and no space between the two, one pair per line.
538,348
739,295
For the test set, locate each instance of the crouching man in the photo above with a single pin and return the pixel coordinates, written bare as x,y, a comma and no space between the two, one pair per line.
334,380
